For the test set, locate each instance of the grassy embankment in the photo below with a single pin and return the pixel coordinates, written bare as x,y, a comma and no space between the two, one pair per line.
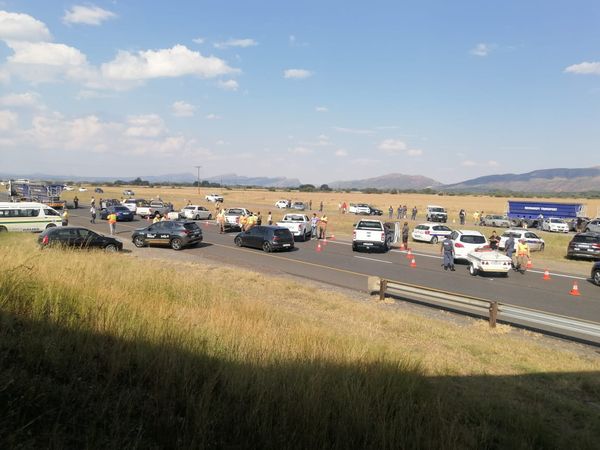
109,351
341,224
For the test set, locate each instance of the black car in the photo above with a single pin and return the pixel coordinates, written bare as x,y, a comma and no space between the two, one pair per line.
268,238
596,273
584,245
375,211
78,237
177,234
123,213
99,191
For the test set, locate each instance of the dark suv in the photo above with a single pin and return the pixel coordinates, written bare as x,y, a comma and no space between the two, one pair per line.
584,245
78,237
268,238
176,234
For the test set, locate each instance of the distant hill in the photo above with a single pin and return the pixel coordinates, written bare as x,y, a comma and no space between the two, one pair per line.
546,180
231,179
390,181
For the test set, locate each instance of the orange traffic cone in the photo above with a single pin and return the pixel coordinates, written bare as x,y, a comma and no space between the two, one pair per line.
409,254
413,263
547,275
575,290
529,264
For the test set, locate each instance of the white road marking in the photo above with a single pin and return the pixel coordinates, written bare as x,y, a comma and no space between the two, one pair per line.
373,259
552,274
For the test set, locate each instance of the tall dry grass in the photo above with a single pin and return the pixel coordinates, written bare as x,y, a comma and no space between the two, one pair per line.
105,351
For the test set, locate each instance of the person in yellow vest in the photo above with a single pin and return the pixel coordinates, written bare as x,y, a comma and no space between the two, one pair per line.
250,221
242,222
112,223
65,216
323,226
522,255
476,217
221,221
156,218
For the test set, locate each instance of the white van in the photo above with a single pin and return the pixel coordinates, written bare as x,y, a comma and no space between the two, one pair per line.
28,216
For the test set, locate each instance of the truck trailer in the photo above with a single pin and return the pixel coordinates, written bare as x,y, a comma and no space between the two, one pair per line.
25,191
532,213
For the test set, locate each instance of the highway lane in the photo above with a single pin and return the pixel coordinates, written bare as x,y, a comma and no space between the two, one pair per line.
337,264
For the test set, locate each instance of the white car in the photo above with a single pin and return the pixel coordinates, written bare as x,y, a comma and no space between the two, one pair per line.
593,225
82,189
359,208
430,232
69,188
555,224
195,212
282,204
214,198
535,242
466,241
131,204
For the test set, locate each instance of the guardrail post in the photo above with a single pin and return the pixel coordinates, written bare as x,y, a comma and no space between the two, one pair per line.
493,314
382,288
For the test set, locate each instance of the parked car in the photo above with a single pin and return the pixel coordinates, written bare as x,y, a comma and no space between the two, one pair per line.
535,242
78,237
578,224
176,234
133,203
430,232
584,245
82,189
298,224
596,273
466,241
214,198
266,237
593,225
99,190
123,213
300,206
68,188
371,235
195,212
434,213
359,208
555,224
282,204
232,218
375,211
494,220
128,192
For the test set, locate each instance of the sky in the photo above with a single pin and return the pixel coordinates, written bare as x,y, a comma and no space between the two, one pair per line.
315,90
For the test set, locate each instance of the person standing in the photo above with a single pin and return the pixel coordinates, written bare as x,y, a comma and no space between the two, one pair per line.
461,215
522,255
509,248
494,239
93,201
404,211
310,204
221,221
270,218
76,202
323,227
391,211
93,214
112,223
447,250
259,218
476,218
405,231
398,212
321,206
65,216
413,215
314,222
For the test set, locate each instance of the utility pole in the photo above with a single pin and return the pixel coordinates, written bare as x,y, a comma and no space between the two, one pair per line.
198,167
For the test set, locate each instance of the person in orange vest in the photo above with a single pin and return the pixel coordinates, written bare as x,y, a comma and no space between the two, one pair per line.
323,226
242,222
522,255
112,223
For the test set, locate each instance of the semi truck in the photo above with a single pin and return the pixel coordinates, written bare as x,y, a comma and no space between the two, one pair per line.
532,213
26,191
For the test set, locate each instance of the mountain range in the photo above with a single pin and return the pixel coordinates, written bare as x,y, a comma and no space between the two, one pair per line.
390,181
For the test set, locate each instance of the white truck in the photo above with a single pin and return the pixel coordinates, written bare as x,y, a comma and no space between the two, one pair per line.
298,224
486,260
371,234
154,207
232,218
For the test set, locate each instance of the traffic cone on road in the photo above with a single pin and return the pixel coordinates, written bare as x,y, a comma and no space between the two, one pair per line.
547,275
529,264
409,254
575,290
413,263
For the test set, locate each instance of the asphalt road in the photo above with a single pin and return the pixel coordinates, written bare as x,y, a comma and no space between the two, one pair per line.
337,264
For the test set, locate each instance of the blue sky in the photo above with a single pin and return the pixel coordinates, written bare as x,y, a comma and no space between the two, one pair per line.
315,90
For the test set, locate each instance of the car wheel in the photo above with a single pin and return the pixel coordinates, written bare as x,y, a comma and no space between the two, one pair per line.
176,244
385,248
596,277
209,217
238,241
434,240
587,230
542,247
138,241
111,248
196,217
50,225
472,270
267,247
4,230
354,248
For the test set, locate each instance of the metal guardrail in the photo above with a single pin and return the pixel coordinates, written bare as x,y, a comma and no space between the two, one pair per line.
494,311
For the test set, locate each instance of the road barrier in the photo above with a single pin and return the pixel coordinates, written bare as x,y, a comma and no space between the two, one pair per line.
494,311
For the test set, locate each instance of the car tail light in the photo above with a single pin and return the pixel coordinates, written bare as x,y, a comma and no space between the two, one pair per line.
275,238
186,232
458,245
596,246
382,237
427,232
354,235
45,240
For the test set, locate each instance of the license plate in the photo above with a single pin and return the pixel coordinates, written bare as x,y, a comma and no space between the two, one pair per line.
367,244
286,245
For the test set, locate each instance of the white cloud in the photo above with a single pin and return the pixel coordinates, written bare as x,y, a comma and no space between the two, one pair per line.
392,146
24,100
340,152
472,163
242,43
300,151
212,116
199,40
22,27
8,120
481,50
229,85
321,108
45,53
145,126
171,62
88,15
584,68
182,109
365,162
297,73
414,152
468,163
4,76
492,163
352,130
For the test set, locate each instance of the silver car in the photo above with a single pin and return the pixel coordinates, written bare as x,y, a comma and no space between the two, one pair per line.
593,225
535,242
499,221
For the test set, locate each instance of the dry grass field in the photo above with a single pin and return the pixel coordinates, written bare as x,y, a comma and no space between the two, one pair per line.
264,200
107,351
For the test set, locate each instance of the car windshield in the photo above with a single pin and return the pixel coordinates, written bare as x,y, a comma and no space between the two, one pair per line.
556,221
296,218
282,232
50,212
121,208
369,225
437,209
190,207
586,238
472,239
421,227
236,212
191,226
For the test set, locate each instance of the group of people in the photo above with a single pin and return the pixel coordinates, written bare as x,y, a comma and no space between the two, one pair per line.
246,222
318,226
402,212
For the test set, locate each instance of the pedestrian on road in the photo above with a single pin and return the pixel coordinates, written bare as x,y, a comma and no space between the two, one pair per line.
447,249
323,227
270,218
509,248
76,202
405,231
314,222
522,255
112,223
413,215
93,201
221,221
93,214
65,216
391,211
494,239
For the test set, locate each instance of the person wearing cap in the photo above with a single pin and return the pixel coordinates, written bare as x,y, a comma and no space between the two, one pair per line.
522,255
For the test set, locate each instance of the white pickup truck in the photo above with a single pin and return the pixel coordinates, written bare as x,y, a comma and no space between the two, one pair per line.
154,207
232,218
298,224
369,235
486,260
